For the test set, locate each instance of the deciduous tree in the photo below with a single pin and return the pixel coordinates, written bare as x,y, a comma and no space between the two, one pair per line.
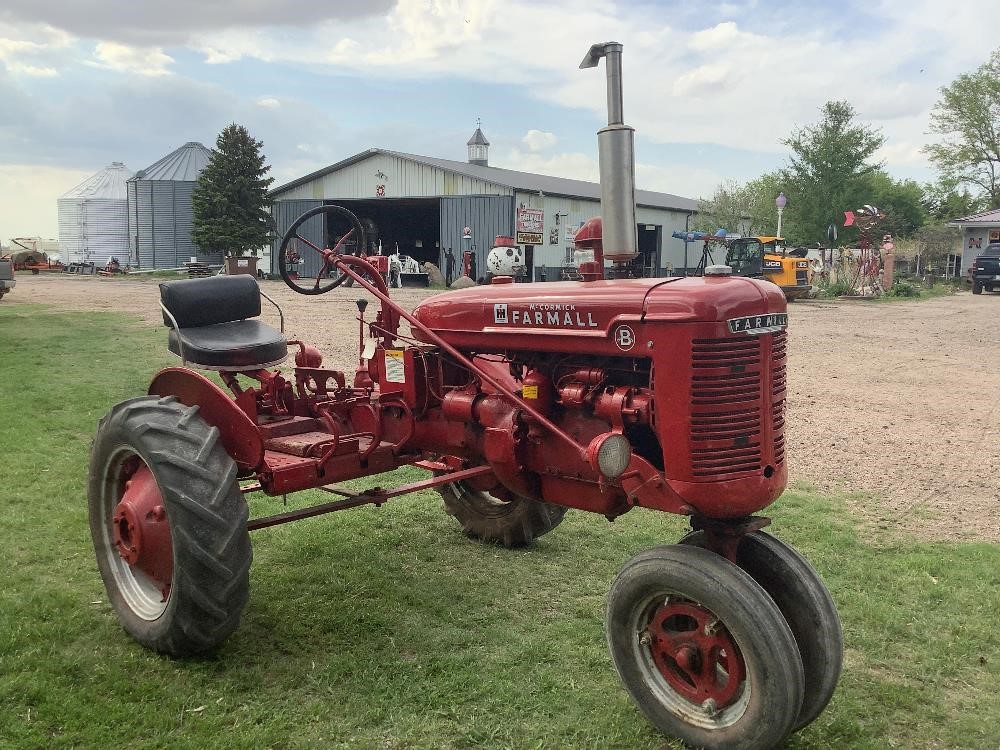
827,170
968,116
741,208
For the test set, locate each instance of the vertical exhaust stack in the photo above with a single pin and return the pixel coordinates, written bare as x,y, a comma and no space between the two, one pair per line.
616,154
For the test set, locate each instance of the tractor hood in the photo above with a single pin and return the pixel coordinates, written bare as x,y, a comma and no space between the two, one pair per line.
561,315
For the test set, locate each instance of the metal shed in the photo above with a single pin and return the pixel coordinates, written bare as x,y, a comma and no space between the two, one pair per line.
423,204
160,215
93,218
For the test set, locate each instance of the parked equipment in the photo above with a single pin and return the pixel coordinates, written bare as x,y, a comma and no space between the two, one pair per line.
7,282
758,258
520,401
32,261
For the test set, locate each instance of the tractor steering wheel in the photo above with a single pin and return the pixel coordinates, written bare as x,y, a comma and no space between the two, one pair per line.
319,287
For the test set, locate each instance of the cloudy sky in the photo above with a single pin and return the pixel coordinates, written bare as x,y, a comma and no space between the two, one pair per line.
711,88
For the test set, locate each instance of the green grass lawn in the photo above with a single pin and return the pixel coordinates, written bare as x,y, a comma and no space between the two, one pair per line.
386,628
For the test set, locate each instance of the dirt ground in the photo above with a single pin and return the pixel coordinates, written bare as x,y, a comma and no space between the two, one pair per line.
896,403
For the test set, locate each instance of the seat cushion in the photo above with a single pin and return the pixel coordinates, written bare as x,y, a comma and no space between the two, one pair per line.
205,302
240,345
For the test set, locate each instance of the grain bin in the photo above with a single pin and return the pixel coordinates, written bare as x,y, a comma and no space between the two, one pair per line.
160,214
93,218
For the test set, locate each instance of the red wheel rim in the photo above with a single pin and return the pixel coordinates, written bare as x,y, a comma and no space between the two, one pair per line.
141,532
695,654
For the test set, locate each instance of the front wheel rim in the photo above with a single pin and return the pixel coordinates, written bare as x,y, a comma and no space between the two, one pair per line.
689,661
137,548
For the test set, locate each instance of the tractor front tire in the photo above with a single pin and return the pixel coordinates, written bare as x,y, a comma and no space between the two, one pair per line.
806,605
514,523
186,591
703,650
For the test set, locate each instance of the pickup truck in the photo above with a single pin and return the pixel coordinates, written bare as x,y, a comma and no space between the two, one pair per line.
6,277
986,269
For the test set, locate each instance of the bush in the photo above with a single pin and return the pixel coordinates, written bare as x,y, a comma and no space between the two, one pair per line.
836,289
901,288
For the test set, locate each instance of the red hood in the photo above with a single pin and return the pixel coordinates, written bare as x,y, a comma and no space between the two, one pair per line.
556,316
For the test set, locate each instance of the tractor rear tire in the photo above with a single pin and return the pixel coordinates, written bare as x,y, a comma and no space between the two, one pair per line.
703,650
514,523
806,605
208,588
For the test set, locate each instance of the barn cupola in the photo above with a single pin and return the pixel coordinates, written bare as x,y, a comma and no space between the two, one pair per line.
479,148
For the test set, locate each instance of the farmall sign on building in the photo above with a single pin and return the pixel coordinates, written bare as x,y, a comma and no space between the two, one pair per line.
530,225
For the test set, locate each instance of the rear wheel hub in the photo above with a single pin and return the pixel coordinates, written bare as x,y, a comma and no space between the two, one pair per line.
141,532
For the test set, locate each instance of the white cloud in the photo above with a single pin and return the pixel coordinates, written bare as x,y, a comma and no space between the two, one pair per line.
268,102
737,81
690,182
32,70
539,140
157,23
36,188
704,81
33,50
575,166
715,38
144,61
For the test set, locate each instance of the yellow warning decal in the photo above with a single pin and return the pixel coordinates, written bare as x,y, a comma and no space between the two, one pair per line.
395,371
530,391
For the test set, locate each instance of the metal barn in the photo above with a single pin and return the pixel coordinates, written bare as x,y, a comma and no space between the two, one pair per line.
423,204
93,218
160,215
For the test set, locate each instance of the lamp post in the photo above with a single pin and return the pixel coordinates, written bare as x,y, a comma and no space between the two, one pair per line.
781,201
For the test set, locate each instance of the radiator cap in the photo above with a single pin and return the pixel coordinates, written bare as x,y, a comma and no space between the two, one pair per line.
719,270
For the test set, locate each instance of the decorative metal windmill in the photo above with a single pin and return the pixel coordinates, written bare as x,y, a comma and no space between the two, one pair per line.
866,270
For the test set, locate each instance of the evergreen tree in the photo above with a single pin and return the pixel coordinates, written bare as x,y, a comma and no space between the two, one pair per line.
230,197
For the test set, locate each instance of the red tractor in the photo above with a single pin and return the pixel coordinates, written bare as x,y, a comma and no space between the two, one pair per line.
520,401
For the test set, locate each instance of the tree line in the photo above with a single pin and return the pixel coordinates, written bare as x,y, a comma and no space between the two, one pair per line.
832,168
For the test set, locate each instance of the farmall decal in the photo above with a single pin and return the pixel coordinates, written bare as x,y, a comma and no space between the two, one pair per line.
758,324
542,315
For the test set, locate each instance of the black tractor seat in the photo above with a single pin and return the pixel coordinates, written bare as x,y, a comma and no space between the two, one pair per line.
210,326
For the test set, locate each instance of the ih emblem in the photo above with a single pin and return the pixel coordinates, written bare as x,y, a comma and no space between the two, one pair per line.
625,338
500,313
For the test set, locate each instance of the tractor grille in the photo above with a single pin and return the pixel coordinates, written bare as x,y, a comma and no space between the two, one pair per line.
725,399
779,344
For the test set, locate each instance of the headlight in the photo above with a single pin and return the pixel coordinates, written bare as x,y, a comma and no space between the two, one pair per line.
610,454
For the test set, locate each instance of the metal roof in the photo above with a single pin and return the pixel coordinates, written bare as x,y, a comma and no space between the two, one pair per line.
182,165
983,218
524,181
108,184
478,139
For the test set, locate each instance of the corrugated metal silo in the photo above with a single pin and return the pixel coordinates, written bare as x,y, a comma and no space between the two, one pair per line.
93,218
160,215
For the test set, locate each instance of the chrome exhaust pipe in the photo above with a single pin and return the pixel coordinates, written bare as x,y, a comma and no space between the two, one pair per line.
616,156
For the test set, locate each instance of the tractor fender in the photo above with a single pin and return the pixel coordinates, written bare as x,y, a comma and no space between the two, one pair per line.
240,436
